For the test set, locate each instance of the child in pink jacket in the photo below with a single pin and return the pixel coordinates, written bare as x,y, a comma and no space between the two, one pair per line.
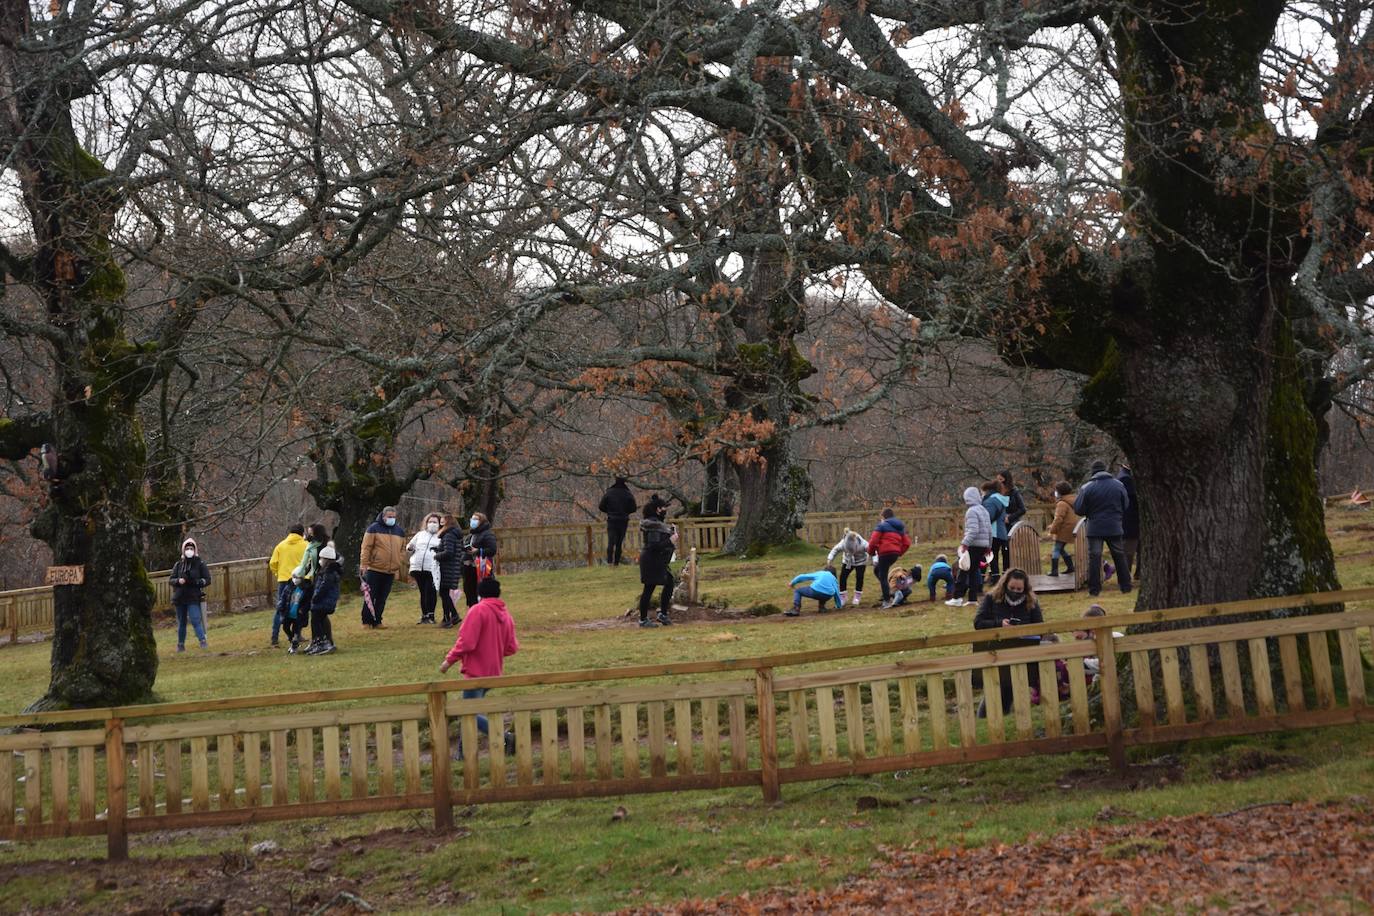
486,637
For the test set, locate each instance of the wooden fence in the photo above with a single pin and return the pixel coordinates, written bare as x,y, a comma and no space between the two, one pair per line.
30,609
689,725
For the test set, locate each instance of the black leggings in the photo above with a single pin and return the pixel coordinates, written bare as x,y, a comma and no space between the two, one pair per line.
428,594
858,578
446,599
665,602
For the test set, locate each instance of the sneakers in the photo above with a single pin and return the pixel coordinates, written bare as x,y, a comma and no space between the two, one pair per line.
291,649
648,624
204,645
794,612
447,623
858,596
325,648
664,619
955,602
275,644
181,649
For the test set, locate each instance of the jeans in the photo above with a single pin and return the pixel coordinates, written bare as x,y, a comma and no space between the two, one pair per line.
807,591
379,584
477,693
424,581
615,539
858,578
284,590
1061,552
1123,569
193,612
940,575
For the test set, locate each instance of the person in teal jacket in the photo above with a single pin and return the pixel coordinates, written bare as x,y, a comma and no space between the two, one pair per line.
996,502
821,585
941,571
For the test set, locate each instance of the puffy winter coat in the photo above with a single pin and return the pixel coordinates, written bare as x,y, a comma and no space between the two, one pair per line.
482,542
889,539
1061,529
450,556
854,548
325,597
977,525
422,558
657,552
1103,502
384,549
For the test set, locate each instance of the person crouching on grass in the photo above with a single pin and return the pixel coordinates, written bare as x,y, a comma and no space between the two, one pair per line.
323,600
820,585
485,638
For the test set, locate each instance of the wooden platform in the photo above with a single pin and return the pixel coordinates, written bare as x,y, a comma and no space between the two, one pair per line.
1048,585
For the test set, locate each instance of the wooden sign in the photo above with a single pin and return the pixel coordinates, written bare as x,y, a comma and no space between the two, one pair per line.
65,575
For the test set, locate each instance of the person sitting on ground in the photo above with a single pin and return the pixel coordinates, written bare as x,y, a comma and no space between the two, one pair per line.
323,600
855,559
486,639
820,585
941,571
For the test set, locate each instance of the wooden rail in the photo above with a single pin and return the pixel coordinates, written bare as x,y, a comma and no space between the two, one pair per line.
418,746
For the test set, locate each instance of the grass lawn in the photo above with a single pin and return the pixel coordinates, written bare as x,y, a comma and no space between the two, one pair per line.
556,856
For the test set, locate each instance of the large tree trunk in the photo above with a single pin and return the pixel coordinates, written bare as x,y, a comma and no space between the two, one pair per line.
1201,386
103,651
357,505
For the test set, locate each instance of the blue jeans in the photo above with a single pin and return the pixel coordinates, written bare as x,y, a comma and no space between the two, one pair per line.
283,606
192,611
476,694
807,591
940,575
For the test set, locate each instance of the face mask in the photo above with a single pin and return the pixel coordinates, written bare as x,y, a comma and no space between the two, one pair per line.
1015,598
389,520
190,553
473,522
432,527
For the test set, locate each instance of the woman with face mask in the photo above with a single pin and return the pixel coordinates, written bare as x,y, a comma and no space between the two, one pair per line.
424,568
1010,603
189,577
481,551
450,555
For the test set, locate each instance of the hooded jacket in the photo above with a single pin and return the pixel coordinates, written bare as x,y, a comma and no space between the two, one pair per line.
1103,502
384,549
618,503
194,571
996,504
485,639
325,596
1061,529
286,556
854,548
450,557
657,552
977,525
889,539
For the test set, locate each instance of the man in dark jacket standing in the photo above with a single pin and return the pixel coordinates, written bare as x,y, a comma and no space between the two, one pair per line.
1103,502
1130,524
619,504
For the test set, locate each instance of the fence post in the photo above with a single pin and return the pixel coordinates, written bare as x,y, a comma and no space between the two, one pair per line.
768,734
440,760
14,621
116,836
228,586
1111,697
692,594
591,554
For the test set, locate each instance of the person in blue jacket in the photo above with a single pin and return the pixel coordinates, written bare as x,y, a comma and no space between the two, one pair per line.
324,598
821,585
941,571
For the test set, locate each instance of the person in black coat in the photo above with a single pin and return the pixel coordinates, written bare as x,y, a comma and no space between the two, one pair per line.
1010,603
1103,502
324,598
479,546
618,504
188,579
660,540
1130,522
450,554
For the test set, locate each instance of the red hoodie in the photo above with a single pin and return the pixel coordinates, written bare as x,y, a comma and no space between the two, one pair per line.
486,637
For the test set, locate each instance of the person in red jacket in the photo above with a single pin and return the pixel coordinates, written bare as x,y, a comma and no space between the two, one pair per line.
888,542
485,640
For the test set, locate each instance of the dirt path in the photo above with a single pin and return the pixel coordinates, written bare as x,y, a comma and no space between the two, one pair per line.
1262,859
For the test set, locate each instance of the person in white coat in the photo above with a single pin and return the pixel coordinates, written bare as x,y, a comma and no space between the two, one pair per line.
424,568
855,551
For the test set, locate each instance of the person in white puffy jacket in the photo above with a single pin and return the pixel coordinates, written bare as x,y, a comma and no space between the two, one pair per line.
855,551
424,567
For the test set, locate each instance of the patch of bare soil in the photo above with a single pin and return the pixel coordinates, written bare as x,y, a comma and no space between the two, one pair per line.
1153,774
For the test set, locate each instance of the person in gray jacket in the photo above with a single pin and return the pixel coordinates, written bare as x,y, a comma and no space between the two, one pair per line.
977,541
1103,502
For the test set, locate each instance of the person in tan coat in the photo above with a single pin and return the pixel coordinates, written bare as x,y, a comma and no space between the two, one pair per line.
1061,529
382,558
